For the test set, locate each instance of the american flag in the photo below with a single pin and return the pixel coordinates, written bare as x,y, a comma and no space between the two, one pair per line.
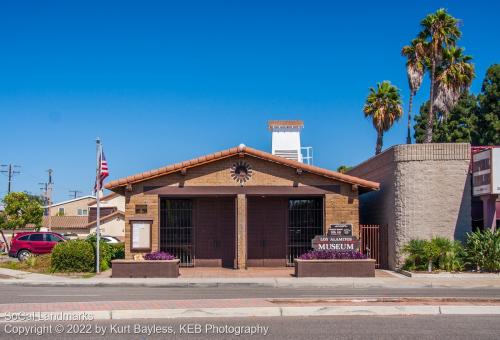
102,173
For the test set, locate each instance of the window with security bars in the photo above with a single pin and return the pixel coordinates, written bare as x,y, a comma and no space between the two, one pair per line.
176,229
305,221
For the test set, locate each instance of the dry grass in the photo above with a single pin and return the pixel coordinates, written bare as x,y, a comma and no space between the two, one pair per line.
40,264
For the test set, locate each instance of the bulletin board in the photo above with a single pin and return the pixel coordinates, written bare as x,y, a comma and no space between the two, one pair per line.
140,235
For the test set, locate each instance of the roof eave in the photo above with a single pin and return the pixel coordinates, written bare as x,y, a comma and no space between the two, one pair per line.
117,185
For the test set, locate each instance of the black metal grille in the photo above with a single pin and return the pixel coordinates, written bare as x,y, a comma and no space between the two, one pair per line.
305,221
176,229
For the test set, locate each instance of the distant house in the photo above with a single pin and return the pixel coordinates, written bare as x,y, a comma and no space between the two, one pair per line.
74,207
79,216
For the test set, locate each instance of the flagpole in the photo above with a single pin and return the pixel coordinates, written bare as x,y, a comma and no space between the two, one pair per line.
98,198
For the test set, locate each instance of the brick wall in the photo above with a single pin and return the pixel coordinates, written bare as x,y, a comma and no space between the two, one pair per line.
339,207
425,192
152,202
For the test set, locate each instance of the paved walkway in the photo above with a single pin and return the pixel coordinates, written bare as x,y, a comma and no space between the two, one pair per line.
384,279
253,272
246,307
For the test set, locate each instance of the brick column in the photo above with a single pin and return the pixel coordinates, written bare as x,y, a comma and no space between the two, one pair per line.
241,231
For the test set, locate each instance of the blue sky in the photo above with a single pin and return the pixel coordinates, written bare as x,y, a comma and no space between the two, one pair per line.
165,81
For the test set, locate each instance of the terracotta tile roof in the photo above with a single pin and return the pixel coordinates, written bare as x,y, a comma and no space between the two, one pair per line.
106,218
242,149
66,222
283,123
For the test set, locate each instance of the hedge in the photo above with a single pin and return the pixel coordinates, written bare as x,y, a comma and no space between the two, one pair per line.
73,256
79,255
118,251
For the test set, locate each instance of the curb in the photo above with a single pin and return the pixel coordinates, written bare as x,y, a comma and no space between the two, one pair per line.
270,312
447,275
297,284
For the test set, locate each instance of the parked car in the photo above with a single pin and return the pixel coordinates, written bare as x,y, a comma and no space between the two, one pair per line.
70,236
110,239
23,245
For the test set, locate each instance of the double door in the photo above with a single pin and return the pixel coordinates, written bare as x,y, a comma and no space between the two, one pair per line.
266,231
214,225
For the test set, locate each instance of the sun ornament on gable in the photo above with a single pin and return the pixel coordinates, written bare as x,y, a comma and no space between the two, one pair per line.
241,172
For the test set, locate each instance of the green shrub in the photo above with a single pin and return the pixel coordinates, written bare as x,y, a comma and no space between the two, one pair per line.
105,253
118,251
438,253
453,258
482,250
417,259
436,250
73,256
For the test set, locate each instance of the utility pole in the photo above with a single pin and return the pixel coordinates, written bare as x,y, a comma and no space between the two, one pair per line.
11,172
74,193
49,198
44,193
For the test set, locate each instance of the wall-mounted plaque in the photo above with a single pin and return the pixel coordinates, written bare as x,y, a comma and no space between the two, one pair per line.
140,235
340,230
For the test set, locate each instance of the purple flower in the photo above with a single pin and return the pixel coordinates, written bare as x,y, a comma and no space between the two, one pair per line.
332,255
159,255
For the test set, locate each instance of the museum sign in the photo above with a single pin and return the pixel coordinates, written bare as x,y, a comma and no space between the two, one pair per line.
339,237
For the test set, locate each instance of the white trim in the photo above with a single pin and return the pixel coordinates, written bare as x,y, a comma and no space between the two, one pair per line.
72,200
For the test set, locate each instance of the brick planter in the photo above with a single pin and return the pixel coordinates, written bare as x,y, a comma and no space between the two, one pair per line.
335,268
146,268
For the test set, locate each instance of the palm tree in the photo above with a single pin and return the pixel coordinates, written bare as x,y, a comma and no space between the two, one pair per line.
453,77
415,69
344,168
383,105
439,31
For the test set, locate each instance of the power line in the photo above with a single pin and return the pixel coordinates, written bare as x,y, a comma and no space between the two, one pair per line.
11,172
74,193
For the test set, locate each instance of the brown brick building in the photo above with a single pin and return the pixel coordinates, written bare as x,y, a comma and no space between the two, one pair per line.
236,208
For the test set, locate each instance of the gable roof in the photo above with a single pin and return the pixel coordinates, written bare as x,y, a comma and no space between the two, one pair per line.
104,198
106,218
72,200
239,150
65,222
74,222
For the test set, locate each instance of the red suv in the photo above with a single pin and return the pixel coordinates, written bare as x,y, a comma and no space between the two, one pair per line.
25,244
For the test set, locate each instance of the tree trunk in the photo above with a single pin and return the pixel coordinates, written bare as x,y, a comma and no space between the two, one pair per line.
7,247
430,120
380,136
408,136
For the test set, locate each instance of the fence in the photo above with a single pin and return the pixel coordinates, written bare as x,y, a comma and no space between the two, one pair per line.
370,242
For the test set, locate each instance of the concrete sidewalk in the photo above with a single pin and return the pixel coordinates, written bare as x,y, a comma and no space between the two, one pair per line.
255,307
393,280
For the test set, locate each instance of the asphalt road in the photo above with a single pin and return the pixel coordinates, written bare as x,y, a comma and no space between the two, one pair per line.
318,328
20,294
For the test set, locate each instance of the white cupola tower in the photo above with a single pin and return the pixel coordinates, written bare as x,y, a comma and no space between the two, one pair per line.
286,139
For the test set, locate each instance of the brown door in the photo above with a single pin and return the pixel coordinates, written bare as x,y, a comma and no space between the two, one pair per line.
214,232
266,231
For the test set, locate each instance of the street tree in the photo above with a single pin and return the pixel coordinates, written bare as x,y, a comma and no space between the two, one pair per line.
439,31
21,209
383,106
454,77
489,107
460,126
415,69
